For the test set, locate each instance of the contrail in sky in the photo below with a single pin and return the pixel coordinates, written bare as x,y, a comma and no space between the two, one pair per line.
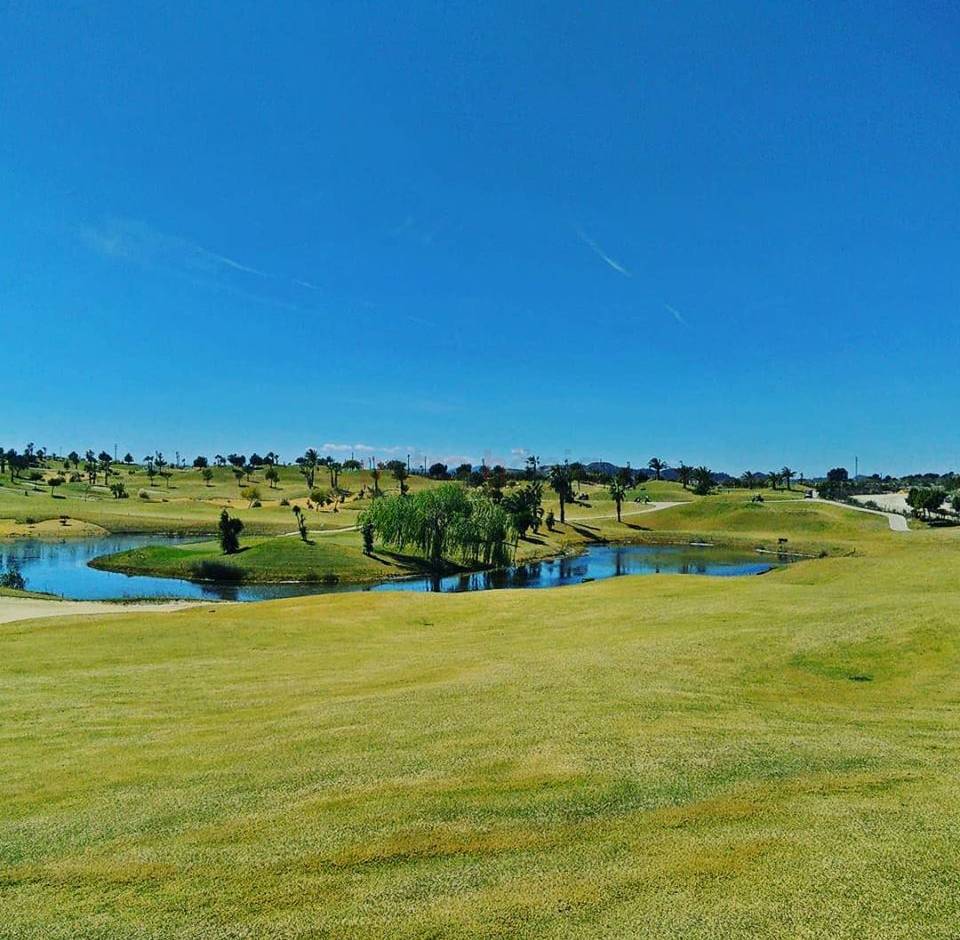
600,253
677,315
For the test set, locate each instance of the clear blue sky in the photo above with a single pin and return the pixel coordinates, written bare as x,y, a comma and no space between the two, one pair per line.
723,233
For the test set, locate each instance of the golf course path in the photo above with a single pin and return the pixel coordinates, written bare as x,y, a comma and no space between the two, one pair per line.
897,522
647,507
31,608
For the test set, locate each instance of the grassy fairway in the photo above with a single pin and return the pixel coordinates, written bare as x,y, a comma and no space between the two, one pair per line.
652,757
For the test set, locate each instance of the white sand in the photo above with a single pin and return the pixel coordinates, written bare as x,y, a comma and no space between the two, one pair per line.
29,608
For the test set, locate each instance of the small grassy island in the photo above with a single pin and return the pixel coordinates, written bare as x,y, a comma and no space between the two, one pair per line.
327,559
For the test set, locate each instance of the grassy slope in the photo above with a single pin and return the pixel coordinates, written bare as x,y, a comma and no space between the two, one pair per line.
186,506
651,757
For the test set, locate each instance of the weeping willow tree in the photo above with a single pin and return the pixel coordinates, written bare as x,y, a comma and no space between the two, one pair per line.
445,522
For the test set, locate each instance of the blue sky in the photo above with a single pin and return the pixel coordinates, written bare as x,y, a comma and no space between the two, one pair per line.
723,233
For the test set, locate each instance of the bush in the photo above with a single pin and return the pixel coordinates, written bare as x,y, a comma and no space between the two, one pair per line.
229,529
34,475
143,494
367,530
216,571
284,501
11,578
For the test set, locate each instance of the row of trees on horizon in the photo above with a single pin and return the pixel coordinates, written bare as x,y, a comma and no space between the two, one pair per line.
95,465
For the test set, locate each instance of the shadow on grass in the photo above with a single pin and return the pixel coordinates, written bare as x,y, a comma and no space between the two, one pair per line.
588,532
416,565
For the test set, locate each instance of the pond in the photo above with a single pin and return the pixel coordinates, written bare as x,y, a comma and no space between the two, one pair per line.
61,568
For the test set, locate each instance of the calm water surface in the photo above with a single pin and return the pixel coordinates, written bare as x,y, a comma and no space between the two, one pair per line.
61,568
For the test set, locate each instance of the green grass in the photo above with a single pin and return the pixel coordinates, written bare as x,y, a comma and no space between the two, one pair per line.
731,517
324,558
645,757
14,592
187,505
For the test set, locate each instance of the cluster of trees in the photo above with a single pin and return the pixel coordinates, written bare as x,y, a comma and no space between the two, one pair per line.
17,463
927,500
773,479
446,522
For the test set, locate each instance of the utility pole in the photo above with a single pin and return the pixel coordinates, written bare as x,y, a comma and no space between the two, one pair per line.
856,468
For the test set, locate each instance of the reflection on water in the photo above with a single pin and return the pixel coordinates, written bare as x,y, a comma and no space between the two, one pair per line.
596,563
61,568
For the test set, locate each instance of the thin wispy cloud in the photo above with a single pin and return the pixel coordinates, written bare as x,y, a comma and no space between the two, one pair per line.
677,315
417,453
417,230
602,255
236,265
368,450
140,243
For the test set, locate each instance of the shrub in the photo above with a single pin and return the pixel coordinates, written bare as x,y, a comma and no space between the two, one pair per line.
230,529
143,494
11,578
215,571
284,501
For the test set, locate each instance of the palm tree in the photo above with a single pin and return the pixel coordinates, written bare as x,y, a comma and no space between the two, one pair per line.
657,465
308,465
400,474
560,483
786,474
773,477
684,473
618,492
702,481
334,469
